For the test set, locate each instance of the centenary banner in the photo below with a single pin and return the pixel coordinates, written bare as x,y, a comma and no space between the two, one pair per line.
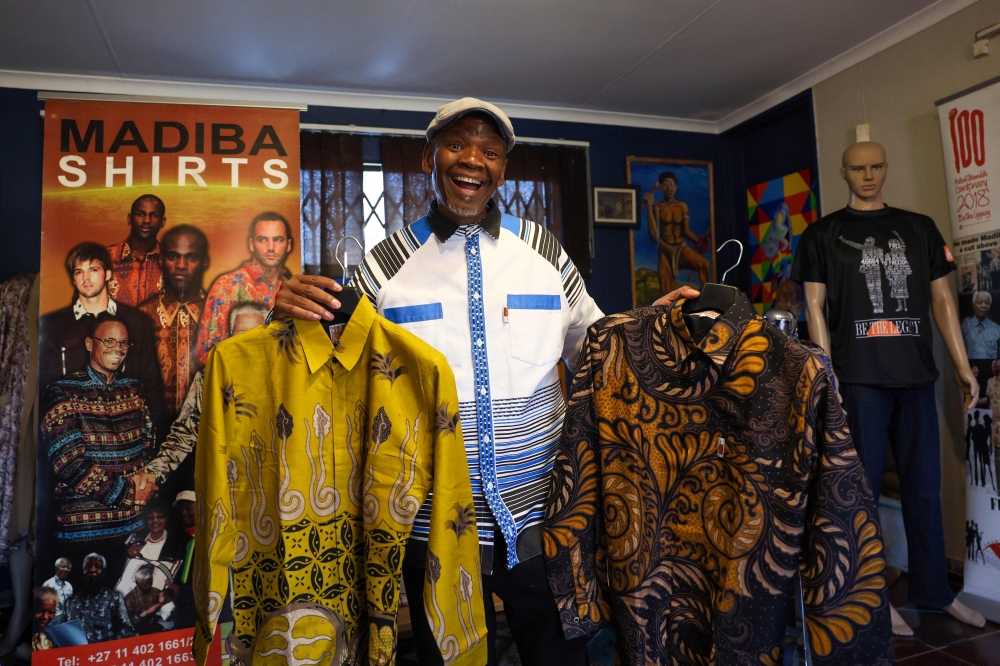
165,229
970,134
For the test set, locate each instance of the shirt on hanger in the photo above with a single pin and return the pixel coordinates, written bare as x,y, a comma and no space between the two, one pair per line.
695,481
312,461
504,303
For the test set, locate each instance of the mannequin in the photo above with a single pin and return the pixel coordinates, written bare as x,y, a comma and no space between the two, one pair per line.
895,276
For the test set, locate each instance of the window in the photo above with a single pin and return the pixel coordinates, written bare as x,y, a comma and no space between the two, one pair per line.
374,204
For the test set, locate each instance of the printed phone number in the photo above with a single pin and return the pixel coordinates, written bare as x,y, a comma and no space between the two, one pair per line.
147,654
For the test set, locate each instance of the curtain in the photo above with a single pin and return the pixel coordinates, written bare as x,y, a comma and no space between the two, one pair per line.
15,357
408,190
545,184
332,200
550,185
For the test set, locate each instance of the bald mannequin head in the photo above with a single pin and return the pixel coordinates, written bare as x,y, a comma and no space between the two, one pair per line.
864,167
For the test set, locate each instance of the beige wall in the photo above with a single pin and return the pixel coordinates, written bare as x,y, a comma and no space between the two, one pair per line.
895,91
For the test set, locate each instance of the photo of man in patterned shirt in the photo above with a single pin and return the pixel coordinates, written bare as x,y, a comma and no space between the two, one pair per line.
137,258
269,241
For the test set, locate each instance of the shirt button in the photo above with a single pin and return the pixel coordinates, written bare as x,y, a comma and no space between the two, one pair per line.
489,485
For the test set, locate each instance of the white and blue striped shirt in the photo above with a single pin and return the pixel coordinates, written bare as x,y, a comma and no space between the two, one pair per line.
504,303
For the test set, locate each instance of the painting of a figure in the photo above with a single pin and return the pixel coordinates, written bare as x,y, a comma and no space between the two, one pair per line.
674,244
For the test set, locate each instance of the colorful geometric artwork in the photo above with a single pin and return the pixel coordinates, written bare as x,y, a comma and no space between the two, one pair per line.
778,212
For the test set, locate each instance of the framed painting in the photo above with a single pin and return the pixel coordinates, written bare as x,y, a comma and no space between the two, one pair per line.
674,242
778,211
616,206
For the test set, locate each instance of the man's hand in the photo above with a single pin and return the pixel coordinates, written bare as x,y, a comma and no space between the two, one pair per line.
302,297
672,297
145,486
969,385
649,198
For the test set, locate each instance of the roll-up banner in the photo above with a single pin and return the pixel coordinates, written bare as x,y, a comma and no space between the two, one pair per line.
970,134
165,229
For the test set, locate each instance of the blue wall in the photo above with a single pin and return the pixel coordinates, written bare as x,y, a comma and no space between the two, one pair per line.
20,182
768,146
780,141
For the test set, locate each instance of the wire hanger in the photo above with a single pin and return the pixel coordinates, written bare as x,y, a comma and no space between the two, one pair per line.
349,297
715,296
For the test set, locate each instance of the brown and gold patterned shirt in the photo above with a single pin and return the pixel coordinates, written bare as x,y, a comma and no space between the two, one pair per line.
694,484
176,326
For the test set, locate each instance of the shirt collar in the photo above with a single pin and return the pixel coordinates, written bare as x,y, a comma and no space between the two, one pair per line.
99,378
79,312
444,228
318,347
721,339
171,306
127,251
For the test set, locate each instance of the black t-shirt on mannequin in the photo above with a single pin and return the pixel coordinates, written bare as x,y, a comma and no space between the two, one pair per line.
878,267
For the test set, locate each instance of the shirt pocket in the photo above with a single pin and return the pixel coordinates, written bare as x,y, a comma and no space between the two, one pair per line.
425,321
535,323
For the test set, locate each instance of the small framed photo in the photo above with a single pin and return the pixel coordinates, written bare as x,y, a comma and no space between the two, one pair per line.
616,206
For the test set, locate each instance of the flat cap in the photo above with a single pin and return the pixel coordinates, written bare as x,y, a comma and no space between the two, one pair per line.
452,111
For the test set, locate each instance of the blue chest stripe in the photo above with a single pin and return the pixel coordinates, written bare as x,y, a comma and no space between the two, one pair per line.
533,302
408,314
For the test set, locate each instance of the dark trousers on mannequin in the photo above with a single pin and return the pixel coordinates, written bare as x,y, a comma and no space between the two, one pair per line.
528,605
907,420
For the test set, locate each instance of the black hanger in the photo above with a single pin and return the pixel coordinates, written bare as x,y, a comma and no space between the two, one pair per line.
715,296
349,297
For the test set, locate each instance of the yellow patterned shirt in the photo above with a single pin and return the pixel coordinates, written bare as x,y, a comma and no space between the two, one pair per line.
312,461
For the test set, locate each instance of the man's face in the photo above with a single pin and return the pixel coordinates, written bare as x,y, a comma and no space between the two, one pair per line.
146,219
46,612
864,169
93,570
467,162
102,357
981,306
156,522
90,277
668,187
246,321
187,513
63,568
270,243
144,584
184,263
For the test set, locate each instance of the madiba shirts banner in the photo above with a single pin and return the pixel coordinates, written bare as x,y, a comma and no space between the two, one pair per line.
165,229
970,134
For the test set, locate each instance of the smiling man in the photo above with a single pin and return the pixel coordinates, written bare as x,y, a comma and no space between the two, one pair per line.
502,300
270,242
97,435
136,260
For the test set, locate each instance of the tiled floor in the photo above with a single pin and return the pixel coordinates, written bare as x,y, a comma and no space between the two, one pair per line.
941,640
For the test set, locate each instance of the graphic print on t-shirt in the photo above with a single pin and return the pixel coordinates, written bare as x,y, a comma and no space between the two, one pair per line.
897,269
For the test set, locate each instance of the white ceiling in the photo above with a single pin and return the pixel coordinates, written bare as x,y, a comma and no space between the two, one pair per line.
681,59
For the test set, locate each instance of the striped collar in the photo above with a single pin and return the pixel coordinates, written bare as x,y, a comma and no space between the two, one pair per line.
444,228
